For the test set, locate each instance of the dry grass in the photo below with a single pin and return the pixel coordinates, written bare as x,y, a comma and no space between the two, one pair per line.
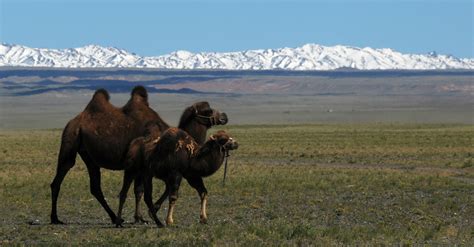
291,185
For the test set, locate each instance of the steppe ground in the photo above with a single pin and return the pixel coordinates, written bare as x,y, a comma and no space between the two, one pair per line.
304,184
53,110
369,158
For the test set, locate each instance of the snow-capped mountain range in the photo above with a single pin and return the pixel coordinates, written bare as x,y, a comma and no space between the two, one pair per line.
306,57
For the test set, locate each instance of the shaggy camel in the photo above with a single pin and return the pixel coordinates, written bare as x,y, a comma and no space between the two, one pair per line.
177,155
195,120
102,134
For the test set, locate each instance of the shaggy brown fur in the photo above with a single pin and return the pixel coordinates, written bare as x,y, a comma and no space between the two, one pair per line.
196,120
177,155
102,134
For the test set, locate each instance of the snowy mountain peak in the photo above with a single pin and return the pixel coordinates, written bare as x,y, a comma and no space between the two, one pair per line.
306,57
182,54
432,54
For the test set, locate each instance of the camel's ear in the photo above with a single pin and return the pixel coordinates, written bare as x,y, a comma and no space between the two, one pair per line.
220,139
201,106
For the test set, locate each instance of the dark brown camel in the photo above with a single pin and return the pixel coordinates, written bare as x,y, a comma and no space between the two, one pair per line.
195,120
177,155
101,134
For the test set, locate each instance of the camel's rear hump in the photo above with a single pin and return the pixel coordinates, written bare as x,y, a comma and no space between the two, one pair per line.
140,91
99,101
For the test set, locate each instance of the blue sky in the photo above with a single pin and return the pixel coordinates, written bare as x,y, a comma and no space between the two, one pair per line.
158,27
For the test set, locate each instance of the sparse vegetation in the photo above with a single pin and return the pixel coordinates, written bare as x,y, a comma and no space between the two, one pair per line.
287,184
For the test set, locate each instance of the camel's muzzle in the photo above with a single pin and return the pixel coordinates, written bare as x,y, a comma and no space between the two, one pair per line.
222,120
231,145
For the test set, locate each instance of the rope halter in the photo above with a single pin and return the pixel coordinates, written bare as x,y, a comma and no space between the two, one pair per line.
211,118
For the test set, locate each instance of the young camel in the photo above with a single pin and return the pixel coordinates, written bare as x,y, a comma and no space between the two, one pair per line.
177,155
195,120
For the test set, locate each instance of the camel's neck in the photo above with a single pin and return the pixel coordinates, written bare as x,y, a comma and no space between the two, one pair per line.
197,131
208,160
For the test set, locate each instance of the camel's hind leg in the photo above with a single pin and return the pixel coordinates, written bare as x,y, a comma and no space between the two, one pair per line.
66,160
139,190
96,190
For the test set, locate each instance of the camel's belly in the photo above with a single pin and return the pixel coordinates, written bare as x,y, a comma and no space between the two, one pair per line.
107,150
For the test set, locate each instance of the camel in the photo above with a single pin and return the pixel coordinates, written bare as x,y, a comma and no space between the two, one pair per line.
177,156
102,134
195,120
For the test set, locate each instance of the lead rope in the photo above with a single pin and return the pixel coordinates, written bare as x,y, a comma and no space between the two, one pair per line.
225,167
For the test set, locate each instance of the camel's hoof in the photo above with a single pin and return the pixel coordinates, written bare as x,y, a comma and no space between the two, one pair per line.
118,222
140,220
151,214
57,222
203,221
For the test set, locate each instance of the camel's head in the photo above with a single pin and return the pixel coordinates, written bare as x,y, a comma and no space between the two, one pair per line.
203,113
224,140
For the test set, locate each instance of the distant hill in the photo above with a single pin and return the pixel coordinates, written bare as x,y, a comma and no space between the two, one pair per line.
32,80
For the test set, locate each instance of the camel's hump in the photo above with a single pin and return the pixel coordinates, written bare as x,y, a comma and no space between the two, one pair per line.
99,102
141,91
101,92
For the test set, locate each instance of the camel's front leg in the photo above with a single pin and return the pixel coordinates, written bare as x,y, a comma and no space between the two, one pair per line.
127,181
169,216
148,187
203,215
198,184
